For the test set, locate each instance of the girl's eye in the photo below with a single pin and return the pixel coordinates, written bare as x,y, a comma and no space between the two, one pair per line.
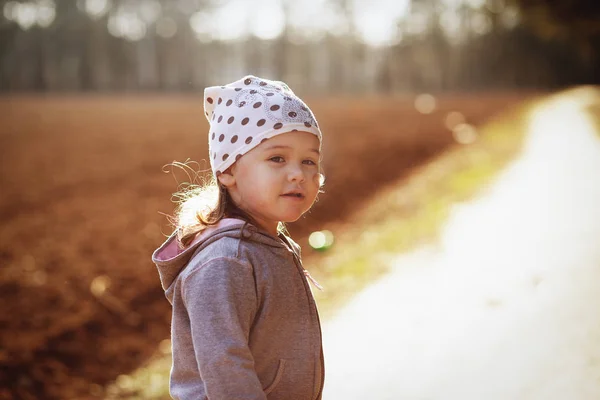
276,159
309,162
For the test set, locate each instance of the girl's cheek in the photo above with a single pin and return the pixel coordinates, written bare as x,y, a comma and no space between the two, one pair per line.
316,178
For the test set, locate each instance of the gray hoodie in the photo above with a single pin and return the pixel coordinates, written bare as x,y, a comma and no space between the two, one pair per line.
244,323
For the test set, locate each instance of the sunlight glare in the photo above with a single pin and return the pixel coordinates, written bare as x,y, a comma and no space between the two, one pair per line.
268,21
375,29
377,21
230,21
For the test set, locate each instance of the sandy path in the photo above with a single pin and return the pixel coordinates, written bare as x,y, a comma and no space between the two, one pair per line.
507,306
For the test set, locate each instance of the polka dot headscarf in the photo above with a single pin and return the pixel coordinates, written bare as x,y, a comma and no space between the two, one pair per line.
247,112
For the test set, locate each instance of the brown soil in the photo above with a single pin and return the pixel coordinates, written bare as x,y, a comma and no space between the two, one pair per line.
80,214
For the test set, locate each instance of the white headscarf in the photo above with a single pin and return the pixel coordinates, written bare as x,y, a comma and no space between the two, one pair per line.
249,111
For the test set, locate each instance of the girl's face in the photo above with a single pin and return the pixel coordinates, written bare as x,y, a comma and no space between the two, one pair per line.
278,180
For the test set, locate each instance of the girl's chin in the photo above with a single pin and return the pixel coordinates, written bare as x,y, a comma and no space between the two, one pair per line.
291,217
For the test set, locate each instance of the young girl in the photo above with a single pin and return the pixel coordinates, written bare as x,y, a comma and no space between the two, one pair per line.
244,323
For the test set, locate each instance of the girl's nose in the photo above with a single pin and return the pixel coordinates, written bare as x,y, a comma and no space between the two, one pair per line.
296,174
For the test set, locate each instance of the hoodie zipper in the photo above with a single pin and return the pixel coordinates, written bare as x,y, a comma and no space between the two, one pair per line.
313,305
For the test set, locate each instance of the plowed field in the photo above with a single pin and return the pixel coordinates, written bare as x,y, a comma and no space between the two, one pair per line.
82,204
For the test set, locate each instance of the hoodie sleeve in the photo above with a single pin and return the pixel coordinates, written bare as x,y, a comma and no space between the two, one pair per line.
221,301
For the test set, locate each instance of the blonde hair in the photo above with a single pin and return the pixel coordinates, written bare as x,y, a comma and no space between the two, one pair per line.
201,205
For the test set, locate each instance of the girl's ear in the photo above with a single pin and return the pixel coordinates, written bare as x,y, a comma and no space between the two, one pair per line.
226,178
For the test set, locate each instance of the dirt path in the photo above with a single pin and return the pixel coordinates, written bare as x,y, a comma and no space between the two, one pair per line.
507,305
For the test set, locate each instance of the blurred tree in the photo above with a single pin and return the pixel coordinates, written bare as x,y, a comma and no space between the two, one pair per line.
8,34
576,21
94,45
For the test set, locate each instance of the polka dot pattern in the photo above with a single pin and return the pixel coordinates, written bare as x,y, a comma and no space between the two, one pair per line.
247,112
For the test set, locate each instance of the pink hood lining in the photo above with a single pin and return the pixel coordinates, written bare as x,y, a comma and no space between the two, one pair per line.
172,249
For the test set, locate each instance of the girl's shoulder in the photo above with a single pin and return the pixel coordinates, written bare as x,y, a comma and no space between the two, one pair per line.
219,248
241,243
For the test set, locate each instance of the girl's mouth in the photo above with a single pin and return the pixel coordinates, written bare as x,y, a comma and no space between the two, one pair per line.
294,195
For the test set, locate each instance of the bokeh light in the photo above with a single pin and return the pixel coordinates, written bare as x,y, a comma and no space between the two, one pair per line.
94,8
464,133
425,103
127,25
28,14
165,346
321,240
99,285
453,118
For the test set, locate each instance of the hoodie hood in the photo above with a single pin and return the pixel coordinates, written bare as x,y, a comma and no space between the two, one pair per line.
170,259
